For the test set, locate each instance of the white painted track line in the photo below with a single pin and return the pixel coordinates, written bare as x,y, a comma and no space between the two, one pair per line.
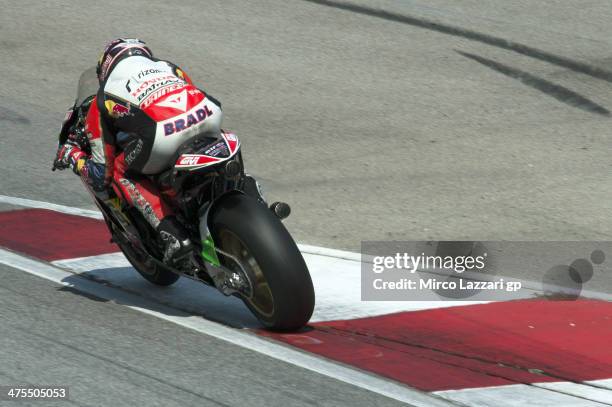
603,384
517,395
585,391
243,339
29,203
337,286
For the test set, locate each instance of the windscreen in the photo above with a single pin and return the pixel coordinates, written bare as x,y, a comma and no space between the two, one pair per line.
88,85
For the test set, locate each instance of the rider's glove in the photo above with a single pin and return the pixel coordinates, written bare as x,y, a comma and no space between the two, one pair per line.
69,156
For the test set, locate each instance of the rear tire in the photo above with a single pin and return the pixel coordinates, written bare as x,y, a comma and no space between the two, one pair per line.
248,230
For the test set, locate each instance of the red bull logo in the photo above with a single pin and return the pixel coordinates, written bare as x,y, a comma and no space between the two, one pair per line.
116,109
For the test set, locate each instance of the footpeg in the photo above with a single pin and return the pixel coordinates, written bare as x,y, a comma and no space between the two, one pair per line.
281,209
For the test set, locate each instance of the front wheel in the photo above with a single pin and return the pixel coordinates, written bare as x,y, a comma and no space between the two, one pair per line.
283,296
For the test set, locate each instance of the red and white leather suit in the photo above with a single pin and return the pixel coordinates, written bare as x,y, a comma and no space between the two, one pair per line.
143,112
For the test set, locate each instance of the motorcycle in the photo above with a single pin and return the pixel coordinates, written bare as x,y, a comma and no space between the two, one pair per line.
241,246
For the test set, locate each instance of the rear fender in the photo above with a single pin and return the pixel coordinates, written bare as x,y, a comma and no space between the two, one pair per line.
190,162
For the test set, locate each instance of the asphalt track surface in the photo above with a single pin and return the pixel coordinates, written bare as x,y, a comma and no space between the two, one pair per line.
372,125
426,120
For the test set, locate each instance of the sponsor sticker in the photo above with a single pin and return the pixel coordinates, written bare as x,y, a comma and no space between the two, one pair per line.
116,109
186,121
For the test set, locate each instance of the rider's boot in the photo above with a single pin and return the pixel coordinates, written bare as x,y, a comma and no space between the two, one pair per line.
176,243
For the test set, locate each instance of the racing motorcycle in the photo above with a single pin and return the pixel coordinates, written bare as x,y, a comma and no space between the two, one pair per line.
241,246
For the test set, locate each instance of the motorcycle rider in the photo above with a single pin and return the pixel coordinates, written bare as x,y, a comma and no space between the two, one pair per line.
144,110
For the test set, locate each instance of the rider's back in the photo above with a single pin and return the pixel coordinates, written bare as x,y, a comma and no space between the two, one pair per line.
147,98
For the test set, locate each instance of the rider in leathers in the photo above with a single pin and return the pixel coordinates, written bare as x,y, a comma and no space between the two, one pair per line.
144,110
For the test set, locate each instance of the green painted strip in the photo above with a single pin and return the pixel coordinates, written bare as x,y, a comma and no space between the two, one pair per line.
208,251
